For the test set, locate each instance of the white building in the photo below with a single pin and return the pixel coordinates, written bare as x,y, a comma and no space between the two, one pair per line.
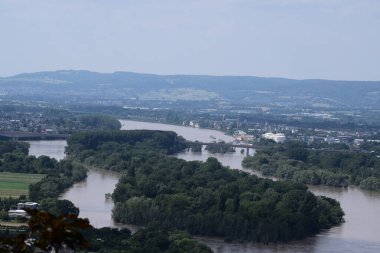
243,136
27,205
194,124
16,213
279,138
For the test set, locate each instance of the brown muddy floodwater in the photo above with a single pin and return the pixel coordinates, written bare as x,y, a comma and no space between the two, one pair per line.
360,232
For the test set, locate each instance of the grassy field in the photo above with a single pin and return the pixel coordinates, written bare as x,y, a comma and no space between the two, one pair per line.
16,184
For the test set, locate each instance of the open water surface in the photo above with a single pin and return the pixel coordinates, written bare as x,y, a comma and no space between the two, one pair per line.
360,232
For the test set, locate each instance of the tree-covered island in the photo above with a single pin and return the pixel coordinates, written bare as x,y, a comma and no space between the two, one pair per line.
319,164
203,198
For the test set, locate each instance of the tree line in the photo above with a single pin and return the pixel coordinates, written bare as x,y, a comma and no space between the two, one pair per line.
309,164
119,150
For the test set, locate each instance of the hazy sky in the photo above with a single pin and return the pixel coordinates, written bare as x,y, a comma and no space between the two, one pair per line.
330,39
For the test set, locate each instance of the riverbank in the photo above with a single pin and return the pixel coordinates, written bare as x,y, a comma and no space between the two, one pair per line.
152,120
358,234
173,124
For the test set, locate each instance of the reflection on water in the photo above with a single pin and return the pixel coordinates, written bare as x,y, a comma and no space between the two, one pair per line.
89,196
362,209
53,148
360,233
314,244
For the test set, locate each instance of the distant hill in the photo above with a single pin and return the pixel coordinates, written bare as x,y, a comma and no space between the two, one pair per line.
121,87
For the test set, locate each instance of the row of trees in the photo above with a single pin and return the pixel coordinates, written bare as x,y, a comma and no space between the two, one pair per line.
60,178
96,121
13,147
332,166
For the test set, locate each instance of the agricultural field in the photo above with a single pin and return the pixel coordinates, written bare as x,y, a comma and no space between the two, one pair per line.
16,184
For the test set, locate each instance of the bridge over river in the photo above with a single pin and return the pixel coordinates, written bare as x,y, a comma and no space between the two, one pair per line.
18,135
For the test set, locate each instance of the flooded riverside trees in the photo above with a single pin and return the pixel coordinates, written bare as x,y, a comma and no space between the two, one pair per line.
201,198
358,234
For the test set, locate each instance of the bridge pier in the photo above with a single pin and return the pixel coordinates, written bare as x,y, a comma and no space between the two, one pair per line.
247,153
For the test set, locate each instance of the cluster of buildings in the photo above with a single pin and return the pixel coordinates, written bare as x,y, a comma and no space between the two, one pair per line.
243,136
193,123
39,120
29,122
278,138
250,132
20,211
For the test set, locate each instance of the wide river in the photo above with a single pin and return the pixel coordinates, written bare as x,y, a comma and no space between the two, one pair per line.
360,232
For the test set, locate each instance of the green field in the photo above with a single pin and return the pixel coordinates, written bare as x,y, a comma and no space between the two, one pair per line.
16,184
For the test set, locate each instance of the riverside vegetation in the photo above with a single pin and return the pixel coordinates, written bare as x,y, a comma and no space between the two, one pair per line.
203,198
319,164
57,177
62,213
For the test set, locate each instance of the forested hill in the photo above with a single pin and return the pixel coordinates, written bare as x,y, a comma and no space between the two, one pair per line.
125,86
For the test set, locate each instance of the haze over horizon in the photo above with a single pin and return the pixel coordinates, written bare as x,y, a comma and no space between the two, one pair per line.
179,74
298,39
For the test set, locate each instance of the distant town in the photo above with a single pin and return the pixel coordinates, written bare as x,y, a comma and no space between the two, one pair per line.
34,121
